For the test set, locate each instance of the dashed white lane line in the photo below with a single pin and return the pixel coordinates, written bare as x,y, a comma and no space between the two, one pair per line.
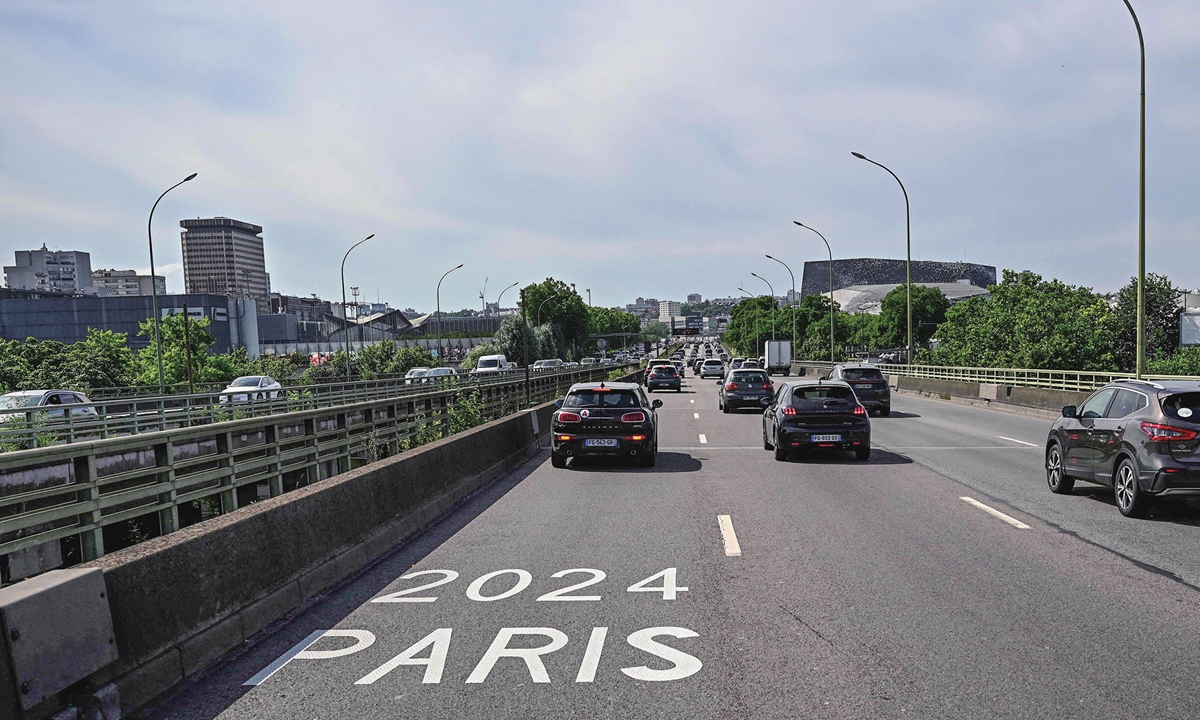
703,440
1017,441
696,415
994,512
692,402
729,537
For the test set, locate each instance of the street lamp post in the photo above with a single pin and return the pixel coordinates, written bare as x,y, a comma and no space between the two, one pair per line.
908,266
772,291
438,309
1141,288
345,315
795,342
756,335
539,310
154,286
831,342
501,295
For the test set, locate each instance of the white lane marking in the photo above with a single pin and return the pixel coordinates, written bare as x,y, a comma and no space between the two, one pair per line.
1017,441
703,440
692,401
696,415
994,512
952,447
728,536
284,659
709,447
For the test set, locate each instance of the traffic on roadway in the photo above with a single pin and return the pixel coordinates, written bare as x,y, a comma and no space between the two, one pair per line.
801,555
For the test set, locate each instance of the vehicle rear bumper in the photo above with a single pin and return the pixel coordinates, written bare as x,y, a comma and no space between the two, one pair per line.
799,440
876,403
745,401
1175,479
625,447
655,384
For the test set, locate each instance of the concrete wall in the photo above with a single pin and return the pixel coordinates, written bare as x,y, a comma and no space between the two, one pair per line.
181,601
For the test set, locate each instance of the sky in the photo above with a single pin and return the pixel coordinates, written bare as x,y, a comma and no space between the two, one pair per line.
637,149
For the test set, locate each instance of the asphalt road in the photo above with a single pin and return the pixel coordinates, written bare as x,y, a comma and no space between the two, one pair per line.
862,590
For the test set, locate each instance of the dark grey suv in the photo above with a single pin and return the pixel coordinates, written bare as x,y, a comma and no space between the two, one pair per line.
869,385
1136,436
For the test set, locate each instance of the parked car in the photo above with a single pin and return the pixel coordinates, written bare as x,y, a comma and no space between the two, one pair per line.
869,385
742,389
712,367
251,387
605,419
52,404
664,377
816,414
492,364
1138,437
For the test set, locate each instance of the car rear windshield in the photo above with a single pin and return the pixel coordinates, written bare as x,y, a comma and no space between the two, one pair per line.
750,377
712,362
602,399
862,374
665,370
1185,406
817,396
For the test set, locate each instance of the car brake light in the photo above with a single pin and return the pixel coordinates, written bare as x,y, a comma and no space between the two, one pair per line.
789,410
1166,433
633,417
860,410
567,417
565,438
731,386
768,386
638,438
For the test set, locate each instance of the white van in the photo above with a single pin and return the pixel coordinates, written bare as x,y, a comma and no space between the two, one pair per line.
489,364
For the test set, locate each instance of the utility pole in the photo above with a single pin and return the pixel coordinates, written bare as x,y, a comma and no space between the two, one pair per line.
525,325
187,344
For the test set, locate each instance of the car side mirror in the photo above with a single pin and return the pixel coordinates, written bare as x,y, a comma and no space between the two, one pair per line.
558,404
656,404
766,402
1070,411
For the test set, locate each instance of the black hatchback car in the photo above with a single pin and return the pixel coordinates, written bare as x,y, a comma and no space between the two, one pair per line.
816,414
664,377
869,385
1136,436
605,420
743,389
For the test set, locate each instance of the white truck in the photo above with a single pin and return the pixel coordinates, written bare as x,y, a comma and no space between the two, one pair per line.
778,354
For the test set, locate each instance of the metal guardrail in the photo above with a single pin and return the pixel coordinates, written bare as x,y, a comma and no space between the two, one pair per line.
1020,377
41,426
77,490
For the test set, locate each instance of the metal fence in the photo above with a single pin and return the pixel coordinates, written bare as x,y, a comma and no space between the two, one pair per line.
70,493
1021,377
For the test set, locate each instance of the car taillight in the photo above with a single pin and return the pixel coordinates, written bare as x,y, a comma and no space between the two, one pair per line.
633,417
789,410
860,410
768,386
567,417
1166,433
731,386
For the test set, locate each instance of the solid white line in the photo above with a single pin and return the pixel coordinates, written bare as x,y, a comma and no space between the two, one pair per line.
710,447
1017,441
696,415
952,447
993,511
729,537
261,676
703,440
692,401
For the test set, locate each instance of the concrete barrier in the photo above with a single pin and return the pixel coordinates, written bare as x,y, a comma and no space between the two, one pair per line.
926,386
181,601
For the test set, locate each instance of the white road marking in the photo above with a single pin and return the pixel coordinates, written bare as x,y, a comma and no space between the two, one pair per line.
993,511
952,447
696,415
1017,441
729,537
692,401
591,656
710,447
703,440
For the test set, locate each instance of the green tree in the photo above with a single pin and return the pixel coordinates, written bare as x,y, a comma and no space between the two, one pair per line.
1185,361
174,350
929,310
1028,322
1162,321
510,338
561,307
103,359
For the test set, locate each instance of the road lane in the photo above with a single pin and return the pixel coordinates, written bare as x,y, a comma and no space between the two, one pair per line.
862,590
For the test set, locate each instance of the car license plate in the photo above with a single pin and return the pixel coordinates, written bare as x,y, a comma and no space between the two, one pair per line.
826,438
862,387
600,442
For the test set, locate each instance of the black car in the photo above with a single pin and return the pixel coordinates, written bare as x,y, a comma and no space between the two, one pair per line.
743,389
605,420
1136,436
650,369
869,385
664,377
821,414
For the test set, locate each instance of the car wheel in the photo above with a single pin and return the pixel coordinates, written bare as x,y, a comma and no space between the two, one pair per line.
766,443
1058,480
1130,500
863,454
557,460
781,453
885,412
649,460
725,409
